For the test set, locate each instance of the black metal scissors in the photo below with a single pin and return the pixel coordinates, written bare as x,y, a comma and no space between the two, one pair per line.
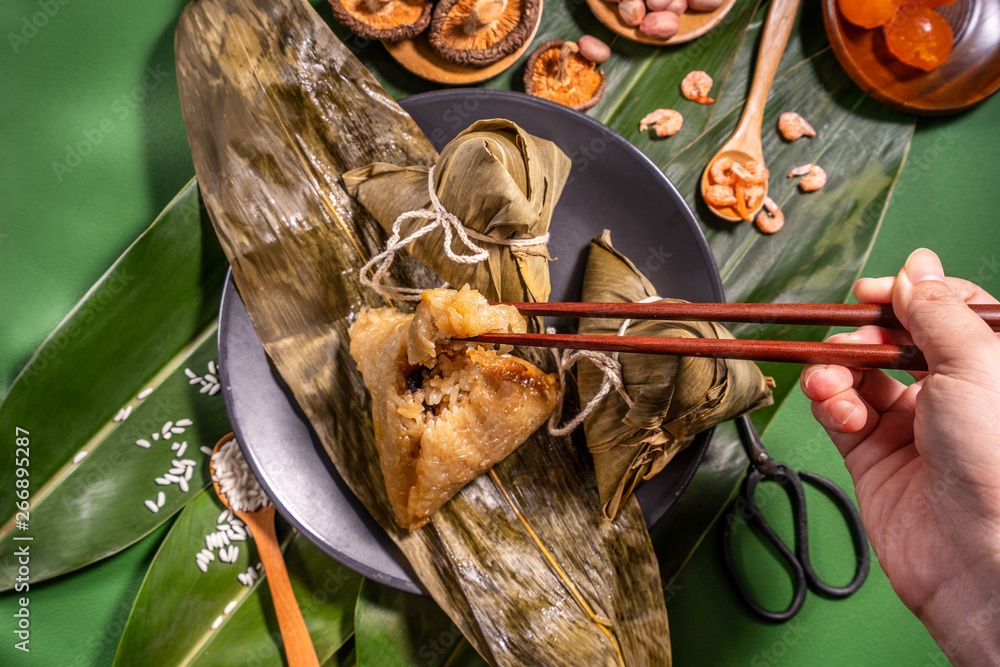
763,467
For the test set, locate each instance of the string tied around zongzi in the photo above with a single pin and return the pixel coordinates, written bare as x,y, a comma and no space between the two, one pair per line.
437,217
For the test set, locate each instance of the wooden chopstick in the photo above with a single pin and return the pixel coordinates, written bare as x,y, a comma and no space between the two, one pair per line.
828,314
902,357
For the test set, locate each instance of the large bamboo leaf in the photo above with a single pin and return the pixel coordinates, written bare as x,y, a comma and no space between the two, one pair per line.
178,604
398,629
271,126
150,318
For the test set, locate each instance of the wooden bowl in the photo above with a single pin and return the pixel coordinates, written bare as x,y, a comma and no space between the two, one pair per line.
692,24
417,56
970,75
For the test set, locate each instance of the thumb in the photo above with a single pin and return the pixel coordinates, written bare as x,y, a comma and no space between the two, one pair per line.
954,340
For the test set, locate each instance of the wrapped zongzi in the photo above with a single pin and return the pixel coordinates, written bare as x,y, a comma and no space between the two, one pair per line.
499,181
671,399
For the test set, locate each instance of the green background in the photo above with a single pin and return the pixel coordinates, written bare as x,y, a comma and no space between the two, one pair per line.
93,146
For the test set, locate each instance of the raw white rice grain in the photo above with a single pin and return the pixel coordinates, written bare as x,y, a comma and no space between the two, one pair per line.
181,447
260,565
226,515
214,390
184,485
212,368
203,566
176,430
145,393
79,456
162,481
234,553
152,506
216,623
190,373
126,411
211,378
161,498
196,380
235,480
142,443
188,472
168,435
156,436
188,462
174,479
229,607
206,450
184,422
175,445
204,388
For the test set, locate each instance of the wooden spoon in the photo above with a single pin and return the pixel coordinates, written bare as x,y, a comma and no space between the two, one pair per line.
299,648
745,144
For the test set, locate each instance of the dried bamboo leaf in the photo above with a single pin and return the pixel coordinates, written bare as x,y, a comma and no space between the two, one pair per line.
276,110
673,398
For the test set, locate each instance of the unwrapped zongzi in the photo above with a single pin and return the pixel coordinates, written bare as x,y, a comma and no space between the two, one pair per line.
444,413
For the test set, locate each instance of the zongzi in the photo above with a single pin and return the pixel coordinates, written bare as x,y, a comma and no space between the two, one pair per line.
444,412
671,399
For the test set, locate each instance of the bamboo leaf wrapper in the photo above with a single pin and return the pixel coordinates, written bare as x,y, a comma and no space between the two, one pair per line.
276,111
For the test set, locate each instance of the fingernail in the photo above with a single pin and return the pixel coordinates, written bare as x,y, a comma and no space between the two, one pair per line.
923,264
842,411
811,374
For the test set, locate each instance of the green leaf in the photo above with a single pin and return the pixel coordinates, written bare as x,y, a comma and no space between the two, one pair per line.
398,629
150,317
178,603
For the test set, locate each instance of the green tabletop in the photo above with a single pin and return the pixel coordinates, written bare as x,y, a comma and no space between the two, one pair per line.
94,146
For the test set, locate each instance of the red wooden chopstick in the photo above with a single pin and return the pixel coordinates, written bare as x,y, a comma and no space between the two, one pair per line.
829,314
902,357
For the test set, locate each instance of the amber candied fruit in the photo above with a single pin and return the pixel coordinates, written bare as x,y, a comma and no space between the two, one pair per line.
919,37
867,13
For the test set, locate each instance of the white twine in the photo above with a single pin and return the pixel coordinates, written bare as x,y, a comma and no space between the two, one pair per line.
437,217
610,367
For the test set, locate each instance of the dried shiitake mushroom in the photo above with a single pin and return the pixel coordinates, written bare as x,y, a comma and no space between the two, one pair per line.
384,20
557,72
476,33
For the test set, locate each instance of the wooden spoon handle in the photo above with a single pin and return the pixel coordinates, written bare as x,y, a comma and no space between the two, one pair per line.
777,29
299,649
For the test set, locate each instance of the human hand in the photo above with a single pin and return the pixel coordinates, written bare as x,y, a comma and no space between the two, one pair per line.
925,458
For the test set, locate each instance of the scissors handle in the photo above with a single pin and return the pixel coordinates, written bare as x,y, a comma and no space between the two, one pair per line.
746,509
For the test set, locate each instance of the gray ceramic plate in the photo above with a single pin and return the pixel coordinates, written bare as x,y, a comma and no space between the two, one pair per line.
612,185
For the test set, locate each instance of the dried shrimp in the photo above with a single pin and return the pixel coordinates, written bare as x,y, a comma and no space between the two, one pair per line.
696,85
815,177
770,219
793,126
742,186
665,122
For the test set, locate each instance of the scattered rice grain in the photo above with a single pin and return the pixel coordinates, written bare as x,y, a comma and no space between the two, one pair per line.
126,411
216,623
202,565
229,607
190,373
174,479
152,506
156,436
214,390
184,422
206,450
184,485
145,393
212,368
176,430
162,481
161,498
79,456
181,448
225,516
196,380
211,378
142,443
